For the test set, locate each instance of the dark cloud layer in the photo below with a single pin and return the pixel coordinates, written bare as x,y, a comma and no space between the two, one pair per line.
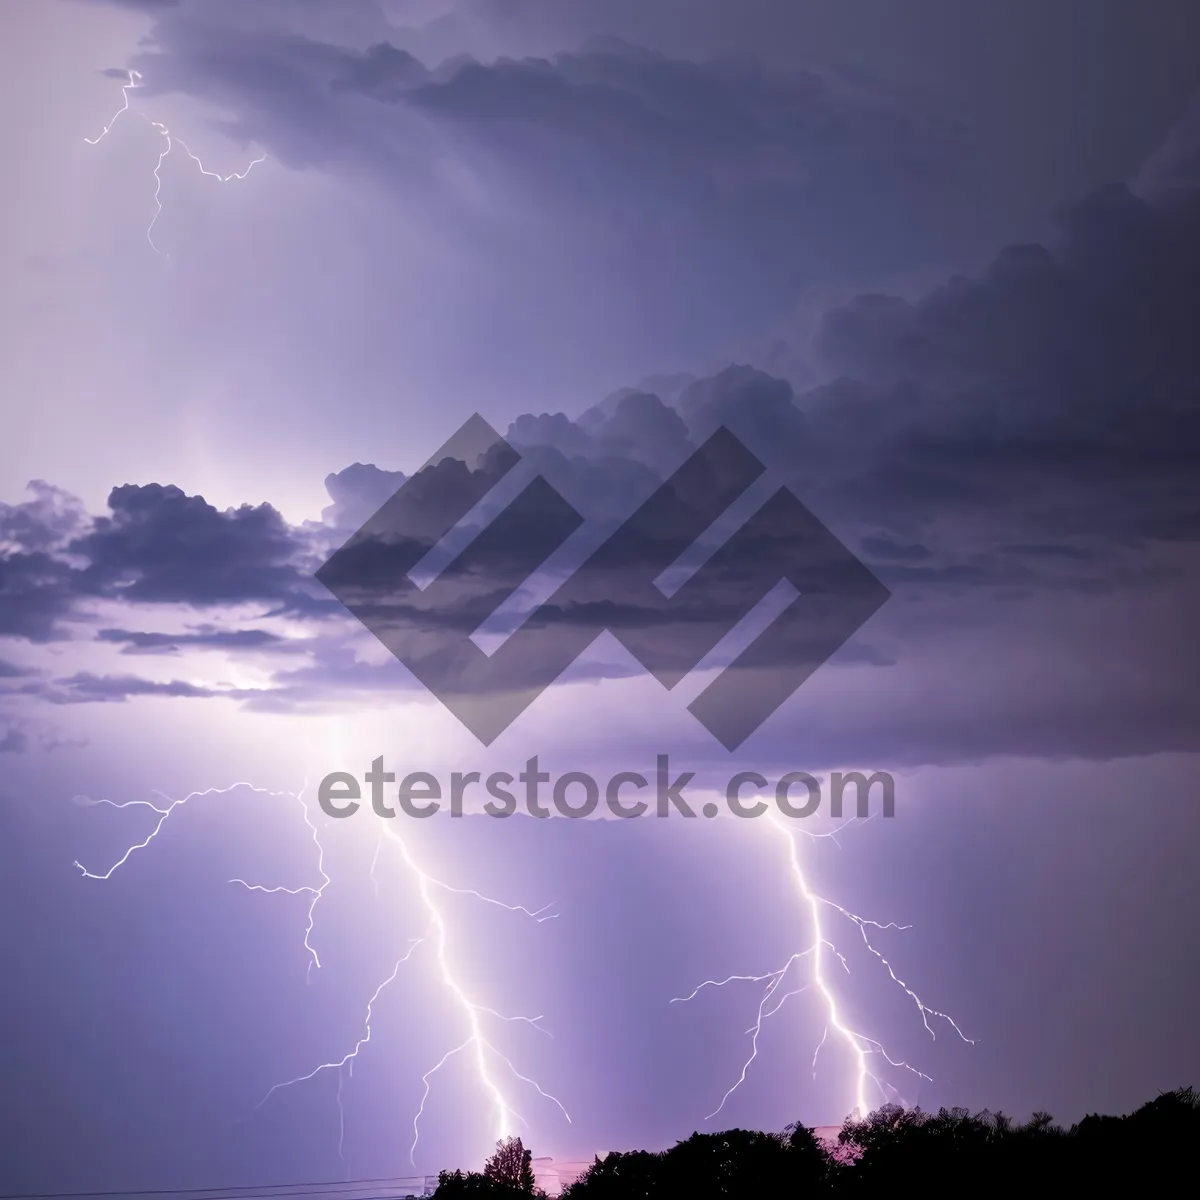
708,191
135,642
1011,454
161,547
157,546
1052,401
86,687
997,450
36,585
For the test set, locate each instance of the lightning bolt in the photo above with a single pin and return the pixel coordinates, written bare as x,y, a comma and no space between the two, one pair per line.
487,1059
473,1013
816,955
163,815
133,82
347,1060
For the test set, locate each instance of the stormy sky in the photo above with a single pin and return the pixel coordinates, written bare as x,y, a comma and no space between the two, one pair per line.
934,267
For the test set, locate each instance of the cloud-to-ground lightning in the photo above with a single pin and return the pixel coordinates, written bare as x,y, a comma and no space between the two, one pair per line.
133,82
859,1045
472,1012
486,1058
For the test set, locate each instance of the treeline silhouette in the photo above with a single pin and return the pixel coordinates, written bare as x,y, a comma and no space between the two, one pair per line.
941,1153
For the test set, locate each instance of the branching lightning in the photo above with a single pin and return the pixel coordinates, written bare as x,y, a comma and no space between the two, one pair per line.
133,82
347,1060
806,970
860,1047
163,815
485,1057
473,1013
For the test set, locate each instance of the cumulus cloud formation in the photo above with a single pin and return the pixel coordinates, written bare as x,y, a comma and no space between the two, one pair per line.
161,546
358,491
156,546
1053,395
35,581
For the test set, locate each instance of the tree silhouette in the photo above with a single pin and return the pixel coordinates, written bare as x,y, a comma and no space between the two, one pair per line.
736,1163
511,1166
633,1175
809,1159
507,1175
892,1150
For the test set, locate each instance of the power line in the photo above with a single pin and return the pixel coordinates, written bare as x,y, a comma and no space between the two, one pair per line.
267,1191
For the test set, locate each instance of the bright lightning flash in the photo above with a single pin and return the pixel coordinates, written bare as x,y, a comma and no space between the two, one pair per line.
169,142
483,1053
859,1046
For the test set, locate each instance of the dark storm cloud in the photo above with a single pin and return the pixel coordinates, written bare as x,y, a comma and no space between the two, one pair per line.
996,450
35,593
359,23
705,180
156,546
1013,454
1041,416
726,141
163,546
86,687
1053,396
358,491
35,584
135,642
44,522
